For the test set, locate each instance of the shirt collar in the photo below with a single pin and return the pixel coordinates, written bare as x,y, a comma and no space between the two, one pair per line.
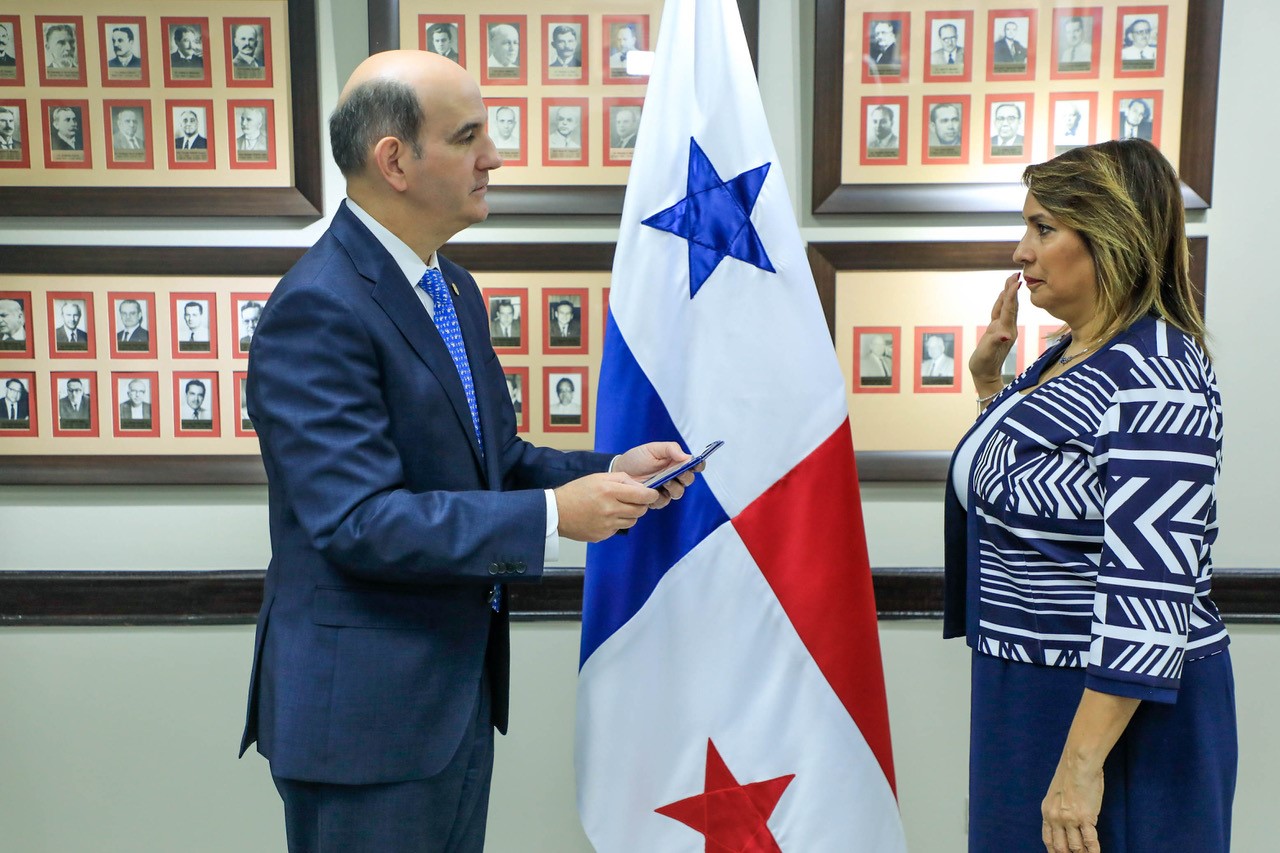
407,259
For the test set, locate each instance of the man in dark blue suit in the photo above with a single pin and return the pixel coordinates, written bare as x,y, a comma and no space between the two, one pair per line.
401,500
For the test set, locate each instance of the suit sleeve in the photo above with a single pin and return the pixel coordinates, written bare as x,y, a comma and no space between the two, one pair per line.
319,400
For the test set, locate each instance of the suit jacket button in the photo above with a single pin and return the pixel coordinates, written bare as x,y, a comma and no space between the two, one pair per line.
495,568
520,568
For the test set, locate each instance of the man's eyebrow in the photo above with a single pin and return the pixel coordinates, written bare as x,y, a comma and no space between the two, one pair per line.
466,129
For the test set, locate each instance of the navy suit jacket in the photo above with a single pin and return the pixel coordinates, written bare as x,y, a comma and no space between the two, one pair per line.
388,526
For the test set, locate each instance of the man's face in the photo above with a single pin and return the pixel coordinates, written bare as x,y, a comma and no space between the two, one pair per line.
190,124
934,346
883,33
882,121
7,124
1136,111
187,44
130,314
448,184
195,396
440,42
246,41
1140,34
13,390
137,391
625,40
11,317
506,313
74,391
566,44
127,121
1006,122
506,121
71,316
564,391
249,319
192,315
564,313
6,40
566,121
66,123
122,44
1073,119
250,122
1011,31
504,44
61,45
875,344
1074,32
625,123
946,124
949,36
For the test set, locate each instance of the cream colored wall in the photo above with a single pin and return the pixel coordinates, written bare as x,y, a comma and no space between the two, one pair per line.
123,739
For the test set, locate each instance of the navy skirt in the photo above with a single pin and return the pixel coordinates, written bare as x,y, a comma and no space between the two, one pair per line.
1169,781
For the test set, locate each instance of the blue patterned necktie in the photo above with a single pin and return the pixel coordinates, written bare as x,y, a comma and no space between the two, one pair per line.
446,320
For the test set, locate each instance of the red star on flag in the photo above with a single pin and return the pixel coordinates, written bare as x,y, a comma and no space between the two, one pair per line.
734,818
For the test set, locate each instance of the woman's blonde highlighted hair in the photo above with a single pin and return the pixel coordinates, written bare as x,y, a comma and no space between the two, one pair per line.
1125,200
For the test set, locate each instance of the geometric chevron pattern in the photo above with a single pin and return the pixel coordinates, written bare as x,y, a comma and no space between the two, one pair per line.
1092,509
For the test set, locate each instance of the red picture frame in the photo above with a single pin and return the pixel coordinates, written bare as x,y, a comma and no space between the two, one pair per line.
71,349
85,161
185,428
243,427
560,422
22,160
505,76
1091,125
870,70
934,20
147,161
525,318
88,378
112,77
7,350
1156,110
459,24
966,122
254,81
149,322
177,322
610,72
1026,105
1060,17
120,380
859,385
237,322
14,75
920,334
28,380
581,317
186,76
606,134
252,158
81,77
868,106
549,155
548,23
995,31
173,110
1161,14
526,399
521,106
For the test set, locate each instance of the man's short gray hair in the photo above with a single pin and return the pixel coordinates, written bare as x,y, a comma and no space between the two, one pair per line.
373,110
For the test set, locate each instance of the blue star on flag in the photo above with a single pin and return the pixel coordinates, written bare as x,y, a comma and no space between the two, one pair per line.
715,217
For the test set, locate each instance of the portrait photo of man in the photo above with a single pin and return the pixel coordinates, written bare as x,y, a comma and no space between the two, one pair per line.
937,366
74,404
15,409
1075,50
128,137
1135,122
195,408
13,324
186,56
565,323
189,123
8,51
504,50
565,406
193,336
135,404
504,128
64,129
131,329
882,131
61,53
875,359
1070,124
946,123
246,46
70,335
442,38
624,125
10,133
249,312
125,51
624,37
884,57
1009,49
565,139
504,323
564,49
252,140
948,52
1006,129
1139,49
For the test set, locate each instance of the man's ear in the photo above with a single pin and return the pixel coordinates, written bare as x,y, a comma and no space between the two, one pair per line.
389,155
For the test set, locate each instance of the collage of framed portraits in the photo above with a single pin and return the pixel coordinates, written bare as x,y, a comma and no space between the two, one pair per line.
154,110
944,107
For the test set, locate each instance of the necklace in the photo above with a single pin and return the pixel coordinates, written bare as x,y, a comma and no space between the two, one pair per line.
1067,359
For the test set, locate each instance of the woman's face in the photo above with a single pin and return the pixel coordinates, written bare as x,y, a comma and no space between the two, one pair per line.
1056,266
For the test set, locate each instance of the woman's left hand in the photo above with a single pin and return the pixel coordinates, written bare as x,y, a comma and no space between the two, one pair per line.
1070,809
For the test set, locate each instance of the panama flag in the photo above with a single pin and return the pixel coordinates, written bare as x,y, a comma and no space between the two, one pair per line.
730,696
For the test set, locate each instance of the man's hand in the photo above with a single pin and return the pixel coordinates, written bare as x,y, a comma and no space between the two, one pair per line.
648,459
595,507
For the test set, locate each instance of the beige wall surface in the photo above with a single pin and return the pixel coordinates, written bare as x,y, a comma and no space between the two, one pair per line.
124,739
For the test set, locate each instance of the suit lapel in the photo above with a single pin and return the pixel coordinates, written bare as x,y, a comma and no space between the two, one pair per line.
396,297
